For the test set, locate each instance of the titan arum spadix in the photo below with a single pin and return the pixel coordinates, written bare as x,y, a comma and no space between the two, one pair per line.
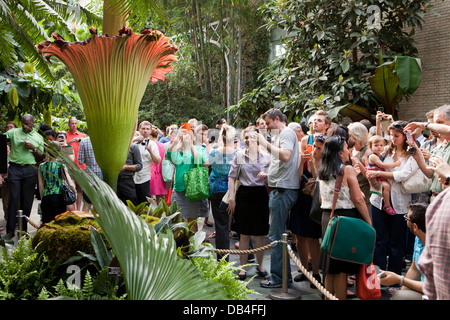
111,75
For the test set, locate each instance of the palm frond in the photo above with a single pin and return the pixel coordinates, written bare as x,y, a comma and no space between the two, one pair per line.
140,11
72,10
24,41
7,47
149,262
27,22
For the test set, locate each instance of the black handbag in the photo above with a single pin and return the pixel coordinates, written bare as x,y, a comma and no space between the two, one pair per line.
69,196
316,211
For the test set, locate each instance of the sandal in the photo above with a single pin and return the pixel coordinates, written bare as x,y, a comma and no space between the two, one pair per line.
389,210
260,273
212,235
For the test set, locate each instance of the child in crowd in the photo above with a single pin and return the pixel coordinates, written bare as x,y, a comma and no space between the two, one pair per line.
375,162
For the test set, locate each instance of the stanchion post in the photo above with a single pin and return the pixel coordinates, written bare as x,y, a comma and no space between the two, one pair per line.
20,221
285,293
285,264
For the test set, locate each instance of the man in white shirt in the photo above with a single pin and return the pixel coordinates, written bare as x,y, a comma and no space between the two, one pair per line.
149,153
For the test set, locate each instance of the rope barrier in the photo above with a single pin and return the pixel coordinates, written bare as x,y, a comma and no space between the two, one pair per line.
308,275
241,252
316,283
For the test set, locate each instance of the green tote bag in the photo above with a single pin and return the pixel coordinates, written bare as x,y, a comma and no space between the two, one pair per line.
347,238
196,181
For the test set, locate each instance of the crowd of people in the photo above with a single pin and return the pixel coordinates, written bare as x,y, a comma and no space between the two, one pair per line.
270,172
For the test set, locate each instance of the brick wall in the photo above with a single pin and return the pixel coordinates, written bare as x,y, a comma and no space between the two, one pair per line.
433,44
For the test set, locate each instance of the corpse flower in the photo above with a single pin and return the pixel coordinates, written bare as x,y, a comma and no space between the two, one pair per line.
111,75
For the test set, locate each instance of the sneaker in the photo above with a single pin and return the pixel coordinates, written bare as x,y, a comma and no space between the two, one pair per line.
300,277
270,284
7,239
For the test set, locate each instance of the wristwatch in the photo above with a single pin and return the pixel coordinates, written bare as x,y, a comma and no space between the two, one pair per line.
426,126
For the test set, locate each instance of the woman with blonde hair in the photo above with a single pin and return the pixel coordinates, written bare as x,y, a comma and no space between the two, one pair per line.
220,159
360,135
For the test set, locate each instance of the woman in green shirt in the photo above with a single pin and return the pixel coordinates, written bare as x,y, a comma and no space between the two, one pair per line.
182,153
51,175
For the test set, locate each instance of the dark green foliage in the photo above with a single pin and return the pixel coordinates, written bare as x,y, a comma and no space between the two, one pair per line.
331,50
25,272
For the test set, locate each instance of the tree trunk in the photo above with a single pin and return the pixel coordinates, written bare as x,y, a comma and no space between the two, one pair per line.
202,47
112,23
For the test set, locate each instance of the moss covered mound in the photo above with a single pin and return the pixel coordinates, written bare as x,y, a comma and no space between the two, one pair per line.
63,237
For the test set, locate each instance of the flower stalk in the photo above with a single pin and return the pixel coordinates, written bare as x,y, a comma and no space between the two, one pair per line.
111,74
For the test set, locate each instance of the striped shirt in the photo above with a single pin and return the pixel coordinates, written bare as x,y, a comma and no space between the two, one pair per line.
434,261
86,156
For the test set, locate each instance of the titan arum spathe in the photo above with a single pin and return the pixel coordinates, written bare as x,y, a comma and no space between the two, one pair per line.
111,75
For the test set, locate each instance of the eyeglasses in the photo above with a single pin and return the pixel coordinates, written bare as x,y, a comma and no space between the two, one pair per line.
406,218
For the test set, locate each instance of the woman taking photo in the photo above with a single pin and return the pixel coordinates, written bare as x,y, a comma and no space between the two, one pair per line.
185,155
350,202
250,204
391,229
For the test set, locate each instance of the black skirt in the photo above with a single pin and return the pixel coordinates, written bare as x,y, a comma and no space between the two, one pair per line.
329,265
251,215
299,221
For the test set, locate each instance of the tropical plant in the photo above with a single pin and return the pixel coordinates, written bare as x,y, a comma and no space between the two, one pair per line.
21,29
149,262
331,49
24,272
23,90
395,79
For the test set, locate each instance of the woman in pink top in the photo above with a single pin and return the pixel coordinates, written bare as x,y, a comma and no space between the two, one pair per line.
157,185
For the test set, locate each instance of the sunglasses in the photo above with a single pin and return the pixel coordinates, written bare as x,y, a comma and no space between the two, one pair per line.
397,125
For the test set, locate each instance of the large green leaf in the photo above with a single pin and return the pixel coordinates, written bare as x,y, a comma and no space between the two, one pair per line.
409,71
151,268
354,112
385,84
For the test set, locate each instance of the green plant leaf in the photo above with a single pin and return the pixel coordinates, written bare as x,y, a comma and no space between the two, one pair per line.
354,112
385,84
409,71
104,257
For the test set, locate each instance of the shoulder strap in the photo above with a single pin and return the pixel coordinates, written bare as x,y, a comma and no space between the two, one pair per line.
337,188
310,139
239,164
